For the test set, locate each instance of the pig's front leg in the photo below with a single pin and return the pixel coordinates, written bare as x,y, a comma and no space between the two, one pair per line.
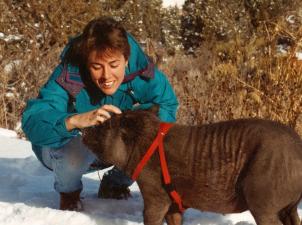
173,216
156,203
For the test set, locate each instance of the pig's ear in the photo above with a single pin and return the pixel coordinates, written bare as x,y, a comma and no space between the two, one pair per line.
154,109
90,136
131,122
130,126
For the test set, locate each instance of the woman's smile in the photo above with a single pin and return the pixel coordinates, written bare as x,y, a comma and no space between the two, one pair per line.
107,84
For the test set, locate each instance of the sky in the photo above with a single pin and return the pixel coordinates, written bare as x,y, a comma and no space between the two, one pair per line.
173,3
27,196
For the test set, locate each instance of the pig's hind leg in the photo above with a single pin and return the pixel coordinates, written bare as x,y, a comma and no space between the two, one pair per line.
261,200
266,203
289,215
261,211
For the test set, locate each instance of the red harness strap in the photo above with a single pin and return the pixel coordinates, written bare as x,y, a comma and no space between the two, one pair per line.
158,144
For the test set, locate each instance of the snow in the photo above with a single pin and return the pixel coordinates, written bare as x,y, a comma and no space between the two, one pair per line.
7,133
167,3
10,38
299,55
8,68
27,196
290,19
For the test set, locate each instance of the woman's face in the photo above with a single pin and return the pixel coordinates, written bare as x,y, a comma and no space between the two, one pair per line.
107,70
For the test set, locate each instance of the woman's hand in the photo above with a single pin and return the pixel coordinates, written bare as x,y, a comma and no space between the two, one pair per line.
91,118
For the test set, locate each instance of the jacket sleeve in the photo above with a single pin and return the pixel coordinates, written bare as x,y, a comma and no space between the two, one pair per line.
160,92
43,120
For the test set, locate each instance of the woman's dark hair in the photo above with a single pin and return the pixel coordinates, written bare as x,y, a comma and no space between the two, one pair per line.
100,34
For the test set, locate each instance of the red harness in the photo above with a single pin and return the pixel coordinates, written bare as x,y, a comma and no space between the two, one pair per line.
158,142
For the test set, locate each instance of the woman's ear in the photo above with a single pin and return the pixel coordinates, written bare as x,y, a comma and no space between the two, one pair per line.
126,63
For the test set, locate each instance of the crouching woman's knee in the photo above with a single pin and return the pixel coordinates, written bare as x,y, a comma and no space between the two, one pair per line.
73,157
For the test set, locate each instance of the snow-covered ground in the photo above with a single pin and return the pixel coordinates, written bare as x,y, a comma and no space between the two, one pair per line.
27,196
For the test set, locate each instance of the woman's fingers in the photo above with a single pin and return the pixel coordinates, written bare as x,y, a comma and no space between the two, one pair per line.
103,113
91,118
100,119
111,108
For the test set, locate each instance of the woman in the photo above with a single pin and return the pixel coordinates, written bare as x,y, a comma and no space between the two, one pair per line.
102,72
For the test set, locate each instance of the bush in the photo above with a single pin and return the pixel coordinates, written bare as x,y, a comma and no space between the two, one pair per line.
242,78
228,77
208,20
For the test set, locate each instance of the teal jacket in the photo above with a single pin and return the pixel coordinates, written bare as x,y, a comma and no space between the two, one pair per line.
43,120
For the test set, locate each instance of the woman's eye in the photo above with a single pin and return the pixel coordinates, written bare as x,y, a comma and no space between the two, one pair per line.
96,67
114,65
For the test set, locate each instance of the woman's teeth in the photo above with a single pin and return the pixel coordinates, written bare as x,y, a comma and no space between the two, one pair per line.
108,84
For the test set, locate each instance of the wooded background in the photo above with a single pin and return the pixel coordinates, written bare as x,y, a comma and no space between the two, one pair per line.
225,59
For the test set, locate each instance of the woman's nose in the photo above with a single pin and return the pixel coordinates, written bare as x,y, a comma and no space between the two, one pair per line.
106,72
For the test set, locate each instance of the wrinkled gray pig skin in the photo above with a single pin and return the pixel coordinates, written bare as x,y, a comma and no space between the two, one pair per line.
224,167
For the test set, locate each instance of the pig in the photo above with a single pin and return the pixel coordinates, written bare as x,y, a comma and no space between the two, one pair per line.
224,167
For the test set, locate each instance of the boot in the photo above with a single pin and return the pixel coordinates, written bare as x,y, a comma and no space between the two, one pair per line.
114,191
71,201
